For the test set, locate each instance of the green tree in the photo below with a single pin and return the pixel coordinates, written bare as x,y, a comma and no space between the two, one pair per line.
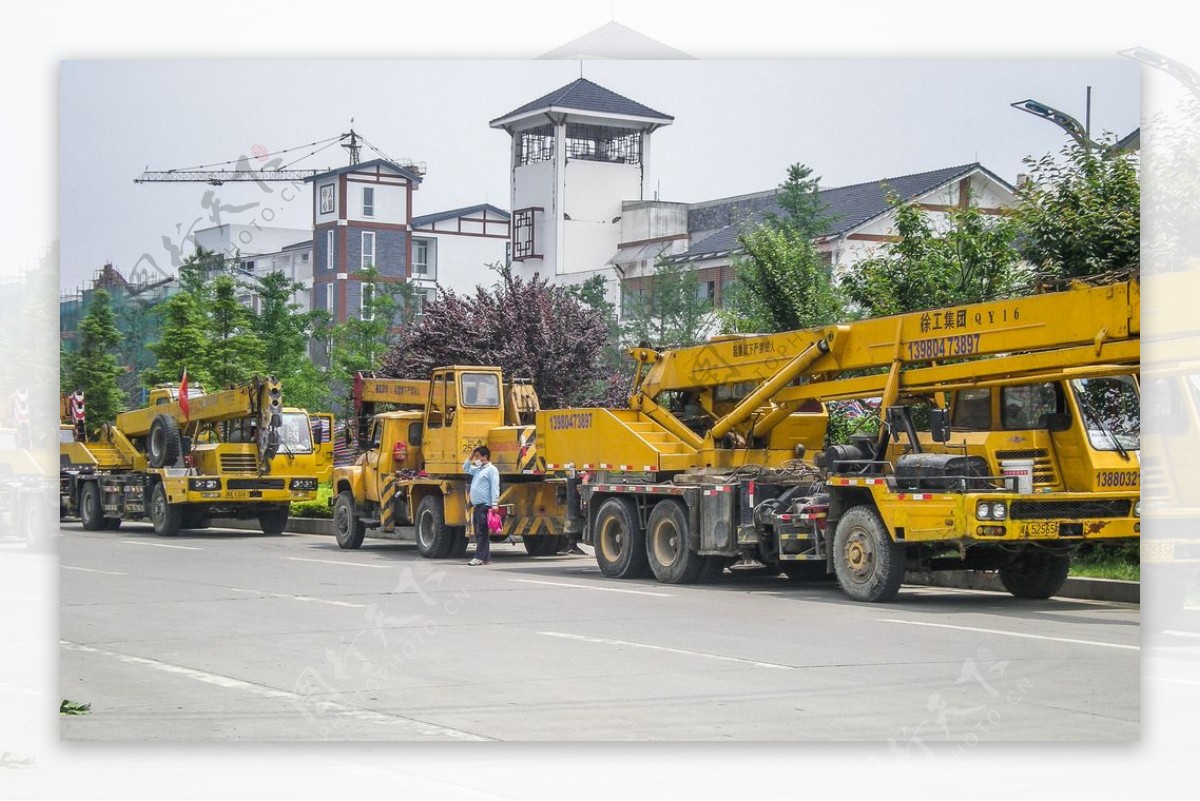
361,341
234,350
669,311
781,282
284,329
94,367
1080,215
971,258
182,343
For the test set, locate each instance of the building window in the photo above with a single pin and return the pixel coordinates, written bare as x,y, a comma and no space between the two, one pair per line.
327,199
365,299
633,301
603,143
522,239
536,144
304,258
368,249
248,265
368,201
330,289
329,250
706,291
420,263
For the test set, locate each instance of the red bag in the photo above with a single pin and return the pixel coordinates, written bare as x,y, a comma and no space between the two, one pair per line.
495,524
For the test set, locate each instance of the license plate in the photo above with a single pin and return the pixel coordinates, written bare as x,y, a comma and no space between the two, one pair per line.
1041,529
239,494
1158,552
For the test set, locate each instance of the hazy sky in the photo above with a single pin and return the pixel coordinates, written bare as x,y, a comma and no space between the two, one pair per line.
738,124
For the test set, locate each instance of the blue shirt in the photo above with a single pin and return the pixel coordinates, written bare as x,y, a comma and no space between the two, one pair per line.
485,483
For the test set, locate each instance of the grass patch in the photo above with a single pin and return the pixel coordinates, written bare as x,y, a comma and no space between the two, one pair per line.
319,508
1095,560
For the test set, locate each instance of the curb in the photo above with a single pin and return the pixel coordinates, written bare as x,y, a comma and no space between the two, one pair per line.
1088,589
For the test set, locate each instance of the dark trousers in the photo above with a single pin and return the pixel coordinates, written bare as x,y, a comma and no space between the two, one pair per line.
483,545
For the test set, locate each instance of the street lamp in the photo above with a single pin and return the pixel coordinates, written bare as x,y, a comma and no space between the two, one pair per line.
1063,120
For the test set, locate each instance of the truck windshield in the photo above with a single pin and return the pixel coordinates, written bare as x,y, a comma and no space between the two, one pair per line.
480,389
295,435
1111,410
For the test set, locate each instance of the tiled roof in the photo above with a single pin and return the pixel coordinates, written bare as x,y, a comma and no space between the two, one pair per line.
583,95
846,207
407,173
430,219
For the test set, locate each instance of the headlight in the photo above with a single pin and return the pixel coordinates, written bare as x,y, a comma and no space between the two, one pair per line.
304,483
999,512
1137,508
204,484
983,511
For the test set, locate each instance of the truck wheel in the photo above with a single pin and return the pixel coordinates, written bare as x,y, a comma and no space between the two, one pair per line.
435,539
869,566
164,443
36,528
196,519
620,544
273,519
1035,574
672,561
347,528
91,513
543,545
166,517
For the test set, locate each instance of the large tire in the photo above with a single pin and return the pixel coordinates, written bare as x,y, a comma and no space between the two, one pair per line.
667,551
544,545
164,442
91,513
348,529
435,539
620,544
1035,574
167,518
869,566
35,527
273,519
196,518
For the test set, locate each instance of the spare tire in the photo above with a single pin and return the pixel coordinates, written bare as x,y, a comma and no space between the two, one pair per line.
164,443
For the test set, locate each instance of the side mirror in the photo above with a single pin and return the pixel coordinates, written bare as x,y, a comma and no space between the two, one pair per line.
939,425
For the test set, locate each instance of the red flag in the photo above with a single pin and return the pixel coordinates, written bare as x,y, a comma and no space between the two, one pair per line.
183,395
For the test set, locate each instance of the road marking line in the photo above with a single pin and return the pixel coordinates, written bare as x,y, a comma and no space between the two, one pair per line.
1011,633
684,651
590,587
332,562
94,570
266,594
303,702
163,545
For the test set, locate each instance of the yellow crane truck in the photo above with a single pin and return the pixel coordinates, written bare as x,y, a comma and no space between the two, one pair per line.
1031,448
409,470
237,453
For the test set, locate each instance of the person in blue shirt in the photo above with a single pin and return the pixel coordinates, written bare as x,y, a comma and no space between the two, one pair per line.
485,495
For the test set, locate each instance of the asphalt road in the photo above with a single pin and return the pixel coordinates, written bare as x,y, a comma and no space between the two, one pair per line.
224,635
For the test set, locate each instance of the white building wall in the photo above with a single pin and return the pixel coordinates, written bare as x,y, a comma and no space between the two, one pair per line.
462,261
248,240
391,202
593,195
